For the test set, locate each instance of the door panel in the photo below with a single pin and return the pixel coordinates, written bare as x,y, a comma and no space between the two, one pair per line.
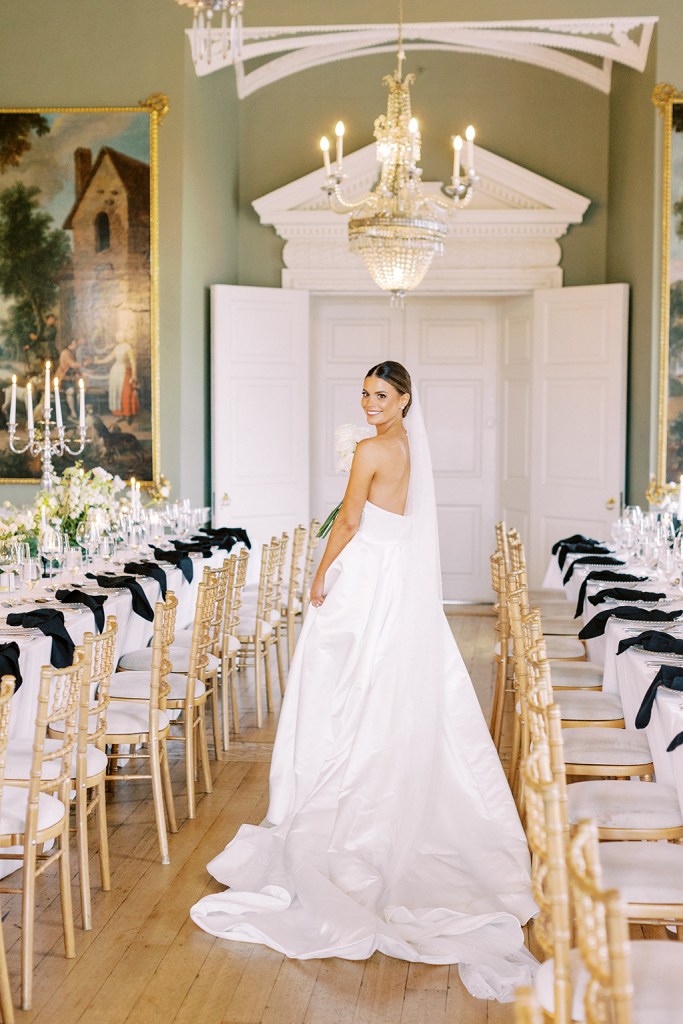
259,406
578,414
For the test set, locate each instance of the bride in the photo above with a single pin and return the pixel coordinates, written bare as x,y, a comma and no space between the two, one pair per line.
391,826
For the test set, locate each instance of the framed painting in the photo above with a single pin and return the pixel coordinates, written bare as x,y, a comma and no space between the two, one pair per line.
79,280
669,102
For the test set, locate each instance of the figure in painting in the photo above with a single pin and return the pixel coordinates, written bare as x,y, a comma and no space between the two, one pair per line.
123,383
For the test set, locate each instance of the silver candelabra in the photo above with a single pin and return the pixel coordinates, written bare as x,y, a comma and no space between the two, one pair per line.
41,441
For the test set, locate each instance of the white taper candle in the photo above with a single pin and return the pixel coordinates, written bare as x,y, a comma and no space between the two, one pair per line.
46,393
58,406
13,404
29,406
81,410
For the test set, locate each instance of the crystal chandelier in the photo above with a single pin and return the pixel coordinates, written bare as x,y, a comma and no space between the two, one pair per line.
396,228
215,16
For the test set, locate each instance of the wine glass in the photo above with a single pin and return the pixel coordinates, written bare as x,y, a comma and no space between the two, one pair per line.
51,545
88,536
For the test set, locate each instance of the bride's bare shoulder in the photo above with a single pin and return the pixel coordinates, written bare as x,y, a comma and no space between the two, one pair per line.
381,449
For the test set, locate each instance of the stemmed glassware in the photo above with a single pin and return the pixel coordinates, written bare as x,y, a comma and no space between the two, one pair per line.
51,546
88,537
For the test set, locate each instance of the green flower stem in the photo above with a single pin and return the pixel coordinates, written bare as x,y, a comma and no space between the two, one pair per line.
329,522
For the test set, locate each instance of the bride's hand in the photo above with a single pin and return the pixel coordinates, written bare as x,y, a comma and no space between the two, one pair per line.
317,595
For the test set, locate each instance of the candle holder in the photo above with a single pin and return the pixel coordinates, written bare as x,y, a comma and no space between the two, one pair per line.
41,442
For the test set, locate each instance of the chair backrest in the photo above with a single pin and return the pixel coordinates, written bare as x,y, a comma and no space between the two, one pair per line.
311,545
202,632
601,931
99,653
271,601
59,697
222,576
238,579
162,640
280,571
7,684
295,568
547,834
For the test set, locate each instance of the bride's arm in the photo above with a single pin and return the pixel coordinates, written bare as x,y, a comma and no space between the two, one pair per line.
346,524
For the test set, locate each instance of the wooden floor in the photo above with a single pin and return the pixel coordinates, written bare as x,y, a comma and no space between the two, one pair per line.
145,961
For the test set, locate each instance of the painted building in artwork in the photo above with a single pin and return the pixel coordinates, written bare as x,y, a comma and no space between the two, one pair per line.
105,293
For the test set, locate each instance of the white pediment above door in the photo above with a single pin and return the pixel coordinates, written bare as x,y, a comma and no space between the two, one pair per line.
505,242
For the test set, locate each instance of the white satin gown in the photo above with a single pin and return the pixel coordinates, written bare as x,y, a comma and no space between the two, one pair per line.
391,826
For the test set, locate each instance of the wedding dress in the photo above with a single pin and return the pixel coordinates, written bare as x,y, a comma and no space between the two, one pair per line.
391,826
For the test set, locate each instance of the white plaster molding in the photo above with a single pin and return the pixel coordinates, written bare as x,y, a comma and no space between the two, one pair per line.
581,48
505,242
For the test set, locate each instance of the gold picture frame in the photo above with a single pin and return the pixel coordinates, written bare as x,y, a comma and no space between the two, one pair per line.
669,103
81,185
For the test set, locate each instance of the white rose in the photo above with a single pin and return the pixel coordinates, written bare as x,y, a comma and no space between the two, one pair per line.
346,438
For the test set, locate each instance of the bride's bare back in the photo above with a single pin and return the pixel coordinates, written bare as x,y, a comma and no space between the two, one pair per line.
389,484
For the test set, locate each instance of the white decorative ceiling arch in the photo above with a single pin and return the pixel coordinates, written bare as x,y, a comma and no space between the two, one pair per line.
581,48
505,242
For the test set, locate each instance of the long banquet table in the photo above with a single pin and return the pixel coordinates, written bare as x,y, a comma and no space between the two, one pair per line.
631,673
133,630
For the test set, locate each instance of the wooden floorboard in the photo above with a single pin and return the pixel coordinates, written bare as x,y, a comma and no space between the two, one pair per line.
144,959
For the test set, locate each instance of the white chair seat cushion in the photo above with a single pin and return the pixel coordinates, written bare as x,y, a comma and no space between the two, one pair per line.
590,706
564,647
656,972
628,805
572,675
657,975
13,817
141,661
20,757
602,745
247,627
544,985
135,686
643,872
131,718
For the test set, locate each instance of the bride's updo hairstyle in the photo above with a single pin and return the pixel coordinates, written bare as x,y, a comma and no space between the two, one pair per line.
396,375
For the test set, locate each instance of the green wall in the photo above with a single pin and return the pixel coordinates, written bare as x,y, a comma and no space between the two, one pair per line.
77,53
217,154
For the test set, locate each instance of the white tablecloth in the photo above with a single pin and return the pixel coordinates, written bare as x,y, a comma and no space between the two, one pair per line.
133,631
630,674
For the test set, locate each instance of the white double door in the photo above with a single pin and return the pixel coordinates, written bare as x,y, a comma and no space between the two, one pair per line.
450,348
524,400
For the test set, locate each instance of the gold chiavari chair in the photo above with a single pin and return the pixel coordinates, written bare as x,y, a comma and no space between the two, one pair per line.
293,605
89,768
231,646
278,618
502,648
6,693
527,1007
187,693
626,982
145,721
254,631
649,874
179,652
36,811
546,834
552,603
592,750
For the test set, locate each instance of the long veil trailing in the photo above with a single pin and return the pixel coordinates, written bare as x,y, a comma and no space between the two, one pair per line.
392,827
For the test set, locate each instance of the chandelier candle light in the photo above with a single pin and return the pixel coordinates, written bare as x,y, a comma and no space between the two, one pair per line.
396,228
40,442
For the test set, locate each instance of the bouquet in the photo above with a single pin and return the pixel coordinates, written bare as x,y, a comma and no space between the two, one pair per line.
346,438
75,494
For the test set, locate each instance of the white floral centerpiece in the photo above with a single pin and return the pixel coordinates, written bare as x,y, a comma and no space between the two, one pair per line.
346,438
74,495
